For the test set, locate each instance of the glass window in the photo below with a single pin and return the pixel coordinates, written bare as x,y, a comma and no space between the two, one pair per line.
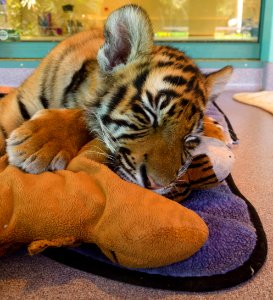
173,20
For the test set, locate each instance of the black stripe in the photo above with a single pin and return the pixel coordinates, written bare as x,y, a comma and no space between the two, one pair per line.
128,171
150,98
55,65
193,109
169,93
162,64
172,54
197,165
171,111
124,123
191,84
4,132
230,128
124,153
129,163
175,195
184,102
193,112
181,112
141,120
140,113
124,150
117,97
165,103
182,184
77,79
141,66
200,128
204,179
180,57
131,136
140,80
192,125
97,102
144,177
152,113
23,110
190,69
200,94
175,80
44,100
179,66
106,119
200,156
50,72
207,168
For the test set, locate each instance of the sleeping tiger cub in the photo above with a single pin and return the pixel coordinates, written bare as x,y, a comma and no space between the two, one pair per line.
146,103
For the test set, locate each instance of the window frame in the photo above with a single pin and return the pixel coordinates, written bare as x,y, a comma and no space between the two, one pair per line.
28,53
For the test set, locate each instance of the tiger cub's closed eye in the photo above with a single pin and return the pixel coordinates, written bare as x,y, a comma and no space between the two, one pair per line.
191,141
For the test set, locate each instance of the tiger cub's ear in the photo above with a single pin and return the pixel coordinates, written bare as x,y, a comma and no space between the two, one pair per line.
128,35
216,81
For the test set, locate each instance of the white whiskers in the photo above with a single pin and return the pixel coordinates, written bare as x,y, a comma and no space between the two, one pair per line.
105,134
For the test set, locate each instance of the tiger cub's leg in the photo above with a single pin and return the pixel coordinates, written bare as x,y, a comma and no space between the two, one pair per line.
48,141
14,112
3,136
9,119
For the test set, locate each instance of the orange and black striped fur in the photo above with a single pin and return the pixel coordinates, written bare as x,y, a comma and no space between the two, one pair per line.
145,102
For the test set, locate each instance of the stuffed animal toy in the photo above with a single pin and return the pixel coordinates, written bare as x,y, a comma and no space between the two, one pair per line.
88,203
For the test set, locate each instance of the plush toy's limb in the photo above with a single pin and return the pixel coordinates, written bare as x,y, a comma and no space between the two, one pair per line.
212,163
217,156
48,141
213,129
88,203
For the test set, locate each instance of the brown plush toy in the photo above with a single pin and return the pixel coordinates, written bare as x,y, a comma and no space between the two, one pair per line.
88,203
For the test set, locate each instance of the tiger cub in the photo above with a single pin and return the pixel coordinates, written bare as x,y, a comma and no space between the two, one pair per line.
146,103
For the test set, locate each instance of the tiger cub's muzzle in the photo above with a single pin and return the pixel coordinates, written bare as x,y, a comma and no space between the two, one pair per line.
154,184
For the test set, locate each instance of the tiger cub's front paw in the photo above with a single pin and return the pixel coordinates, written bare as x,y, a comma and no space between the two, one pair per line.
28,152
47,142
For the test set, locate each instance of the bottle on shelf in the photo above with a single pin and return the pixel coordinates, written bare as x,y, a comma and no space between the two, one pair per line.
71,24
6,32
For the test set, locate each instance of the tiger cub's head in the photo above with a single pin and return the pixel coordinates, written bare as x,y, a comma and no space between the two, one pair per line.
150,101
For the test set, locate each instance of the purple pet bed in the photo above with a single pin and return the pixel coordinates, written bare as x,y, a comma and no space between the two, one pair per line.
235,251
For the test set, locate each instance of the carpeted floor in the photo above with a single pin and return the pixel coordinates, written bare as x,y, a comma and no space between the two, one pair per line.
37,277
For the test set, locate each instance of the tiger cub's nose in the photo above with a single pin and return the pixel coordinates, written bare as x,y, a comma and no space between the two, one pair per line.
153,185
148,181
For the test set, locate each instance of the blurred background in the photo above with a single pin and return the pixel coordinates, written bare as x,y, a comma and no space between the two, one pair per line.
173,20
213,32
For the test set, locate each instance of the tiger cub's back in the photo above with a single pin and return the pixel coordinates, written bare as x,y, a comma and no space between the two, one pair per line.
54,83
